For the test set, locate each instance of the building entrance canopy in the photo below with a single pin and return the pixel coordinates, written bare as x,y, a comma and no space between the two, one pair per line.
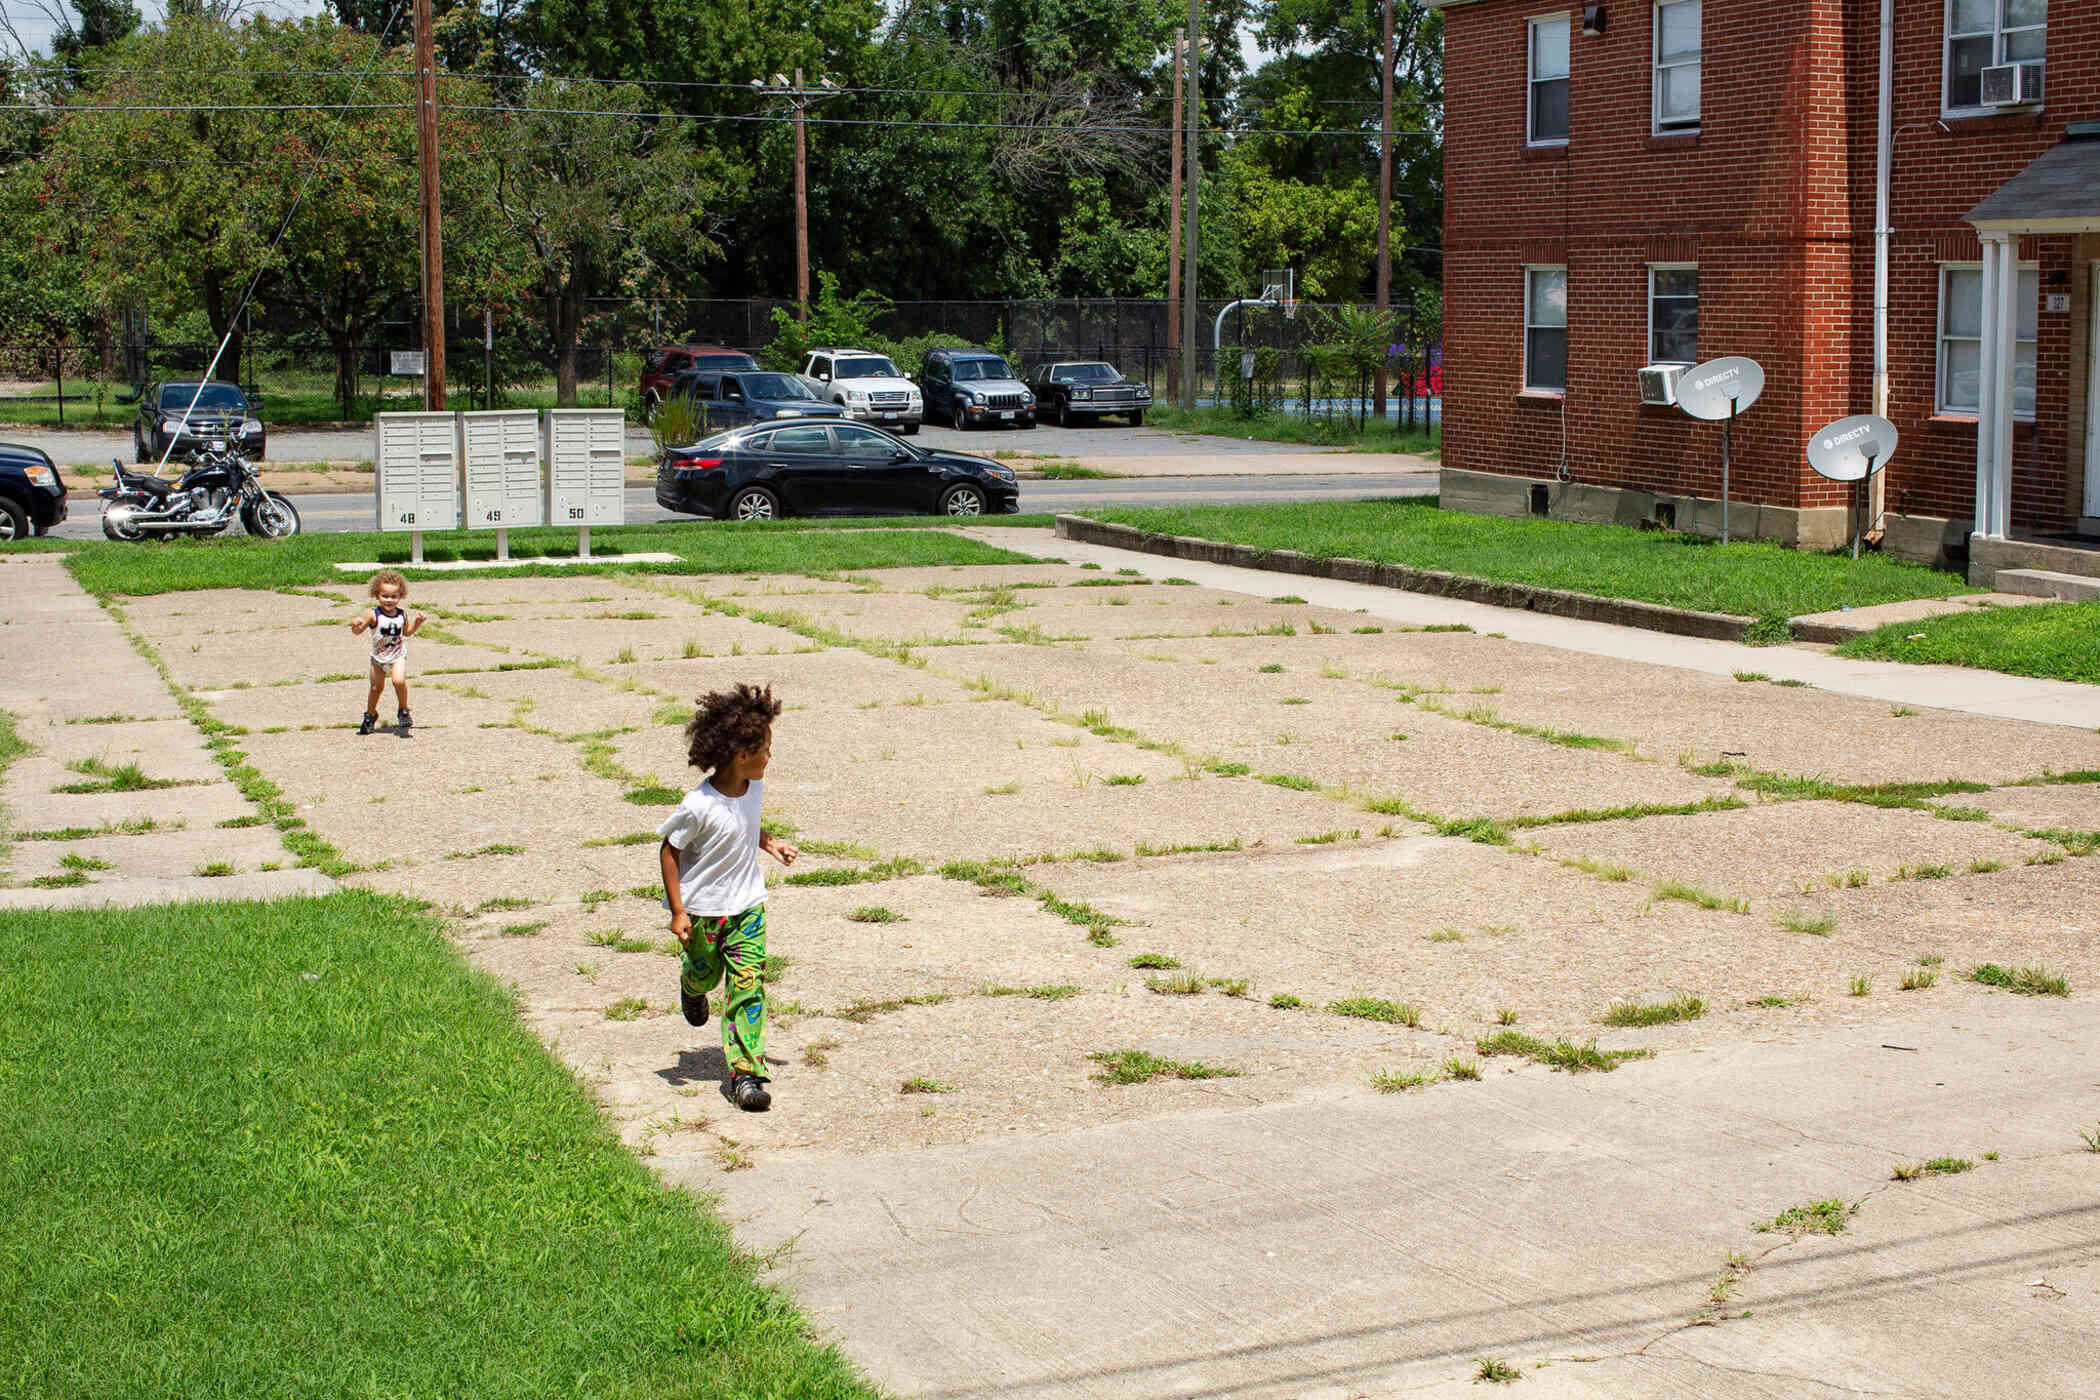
2058,193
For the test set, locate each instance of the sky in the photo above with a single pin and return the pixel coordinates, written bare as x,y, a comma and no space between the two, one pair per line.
30,22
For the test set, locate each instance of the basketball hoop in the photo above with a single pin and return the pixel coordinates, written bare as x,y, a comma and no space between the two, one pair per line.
1279,287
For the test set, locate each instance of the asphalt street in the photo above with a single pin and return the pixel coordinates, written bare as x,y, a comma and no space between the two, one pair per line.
331,514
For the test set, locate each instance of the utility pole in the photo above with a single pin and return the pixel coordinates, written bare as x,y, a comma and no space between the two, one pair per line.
1385,198
433,244
1193,165
798,98
1174,229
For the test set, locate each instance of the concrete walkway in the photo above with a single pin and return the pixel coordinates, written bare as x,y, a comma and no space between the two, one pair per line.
1574,1228
67,673
1939,687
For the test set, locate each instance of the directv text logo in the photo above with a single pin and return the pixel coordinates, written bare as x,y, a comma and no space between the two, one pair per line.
1831,444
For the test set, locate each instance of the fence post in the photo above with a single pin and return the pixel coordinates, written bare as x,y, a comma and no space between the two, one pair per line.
58,373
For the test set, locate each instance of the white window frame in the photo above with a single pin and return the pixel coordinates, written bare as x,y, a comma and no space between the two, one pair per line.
1998,32
1649,348
1940,406
1679,127
1532,79
1530,272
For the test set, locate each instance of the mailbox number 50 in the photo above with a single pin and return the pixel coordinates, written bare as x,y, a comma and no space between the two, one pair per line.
575,512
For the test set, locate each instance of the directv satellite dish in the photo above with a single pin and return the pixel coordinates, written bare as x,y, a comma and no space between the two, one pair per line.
1852,450
1720,387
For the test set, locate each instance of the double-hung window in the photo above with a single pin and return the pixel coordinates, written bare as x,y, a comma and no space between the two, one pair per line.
1546,329
1961,339
1673,314
1676,66
1981,33
1547,121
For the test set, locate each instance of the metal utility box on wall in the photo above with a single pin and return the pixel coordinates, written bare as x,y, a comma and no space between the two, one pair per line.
416,471
504,481
586,466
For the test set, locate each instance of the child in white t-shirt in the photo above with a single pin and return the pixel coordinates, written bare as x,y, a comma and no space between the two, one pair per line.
391,627
712,883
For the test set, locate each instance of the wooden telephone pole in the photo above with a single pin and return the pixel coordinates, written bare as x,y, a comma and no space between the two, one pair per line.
1174,230
798,99
433,244
1385,198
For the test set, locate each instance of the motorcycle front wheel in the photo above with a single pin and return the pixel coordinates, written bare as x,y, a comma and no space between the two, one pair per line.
272,518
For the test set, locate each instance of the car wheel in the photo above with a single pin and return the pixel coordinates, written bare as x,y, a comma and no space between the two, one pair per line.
911,429
962,499
138,447
649,406
1137,419
754,503
14,523
1064,416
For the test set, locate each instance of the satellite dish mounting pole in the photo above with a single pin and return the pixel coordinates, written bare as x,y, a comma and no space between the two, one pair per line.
1859,493
1727,450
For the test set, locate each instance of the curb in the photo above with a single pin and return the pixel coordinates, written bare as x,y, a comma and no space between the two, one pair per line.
1554,602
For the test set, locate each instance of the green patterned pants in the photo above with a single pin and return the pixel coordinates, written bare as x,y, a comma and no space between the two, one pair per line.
732,950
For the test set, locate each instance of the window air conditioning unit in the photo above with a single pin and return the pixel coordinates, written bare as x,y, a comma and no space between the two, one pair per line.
2012,85
1659,383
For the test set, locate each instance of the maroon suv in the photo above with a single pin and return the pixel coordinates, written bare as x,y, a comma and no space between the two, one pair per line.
665,363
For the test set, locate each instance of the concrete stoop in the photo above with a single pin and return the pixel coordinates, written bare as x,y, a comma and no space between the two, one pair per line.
2049,583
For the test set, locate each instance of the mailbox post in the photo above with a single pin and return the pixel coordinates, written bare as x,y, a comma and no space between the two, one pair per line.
504,479
416,475
586,470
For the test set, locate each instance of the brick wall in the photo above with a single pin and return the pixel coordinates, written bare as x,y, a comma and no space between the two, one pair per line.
1774,199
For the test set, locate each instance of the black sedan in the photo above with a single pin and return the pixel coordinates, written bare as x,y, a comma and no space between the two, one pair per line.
731,398
32,494
769,470
189,415
1073,391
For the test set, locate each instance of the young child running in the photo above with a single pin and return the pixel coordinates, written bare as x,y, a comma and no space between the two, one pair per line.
712,883
390,628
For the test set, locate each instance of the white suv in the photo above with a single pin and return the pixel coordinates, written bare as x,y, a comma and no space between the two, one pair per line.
866,385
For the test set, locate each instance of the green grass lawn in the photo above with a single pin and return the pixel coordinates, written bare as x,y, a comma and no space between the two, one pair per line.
1296,427
2060,641
1744,579
703,547
297,1149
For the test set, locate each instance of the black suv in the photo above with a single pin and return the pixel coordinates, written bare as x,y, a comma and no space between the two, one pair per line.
1070,390
974,388
220,413
32,494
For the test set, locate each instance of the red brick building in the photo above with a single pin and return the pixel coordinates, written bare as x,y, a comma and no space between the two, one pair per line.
1669,181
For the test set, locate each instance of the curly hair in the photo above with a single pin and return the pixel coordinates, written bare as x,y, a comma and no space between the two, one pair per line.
729,723
387,576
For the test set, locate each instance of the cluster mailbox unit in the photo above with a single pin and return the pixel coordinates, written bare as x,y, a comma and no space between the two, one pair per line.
516,471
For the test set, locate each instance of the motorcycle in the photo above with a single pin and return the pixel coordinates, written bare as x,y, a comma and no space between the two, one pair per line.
219,486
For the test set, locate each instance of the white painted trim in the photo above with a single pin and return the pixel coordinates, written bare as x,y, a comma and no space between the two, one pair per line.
2092,391
1531,78
1655,72
1648,345
1524,358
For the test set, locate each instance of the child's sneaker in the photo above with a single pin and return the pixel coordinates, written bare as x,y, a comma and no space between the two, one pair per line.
404,721
694,1005
371,719
747,1092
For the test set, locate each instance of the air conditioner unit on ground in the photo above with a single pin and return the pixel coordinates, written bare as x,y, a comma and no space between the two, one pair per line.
2012,85
1659,383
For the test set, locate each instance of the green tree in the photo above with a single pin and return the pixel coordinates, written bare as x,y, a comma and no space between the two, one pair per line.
596,201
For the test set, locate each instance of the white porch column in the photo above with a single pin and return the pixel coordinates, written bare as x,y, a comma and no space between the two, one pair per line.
2001,323
1986,390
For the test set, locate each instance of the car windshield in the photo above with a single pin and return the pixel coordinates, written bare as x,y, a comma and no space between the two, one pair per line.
982,369
867,367
1085,374
719,442
775,386
175,397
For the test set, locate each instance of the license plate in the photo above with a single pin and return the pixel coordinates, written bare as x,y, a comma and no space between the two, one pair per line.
1007,414
218,444
889,417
